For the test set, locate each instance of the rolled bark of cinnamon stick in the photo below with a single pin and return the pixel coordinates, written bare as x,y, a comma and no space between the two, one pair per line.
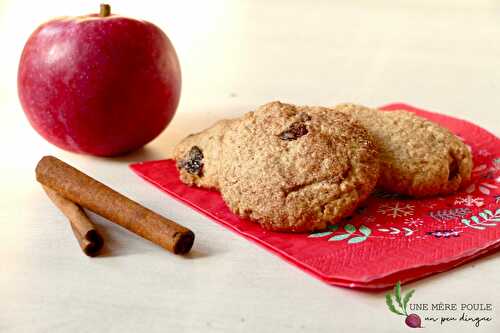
87,192
85,232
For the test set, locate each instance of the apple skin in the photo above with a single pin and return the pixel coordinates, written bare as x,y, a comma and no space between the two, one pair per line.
99,85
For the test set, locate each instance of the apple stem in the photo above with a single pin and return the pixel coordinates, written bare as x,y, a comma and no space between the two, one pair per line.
105,10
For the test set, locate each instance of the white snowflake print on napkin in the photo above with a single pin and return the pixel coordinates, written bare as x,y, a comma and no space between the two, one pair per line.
470,201
413,222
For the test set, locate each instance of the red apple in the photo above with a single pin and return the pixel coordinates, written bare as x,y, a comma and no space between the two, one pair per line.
99,84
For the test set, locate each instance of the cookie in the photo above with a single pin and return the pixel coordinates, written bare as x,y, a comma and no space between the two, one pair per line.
418,158
198,155
296,169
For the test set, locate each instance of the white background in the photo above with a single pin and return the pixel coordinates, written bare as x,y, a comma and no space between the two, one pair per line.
235,55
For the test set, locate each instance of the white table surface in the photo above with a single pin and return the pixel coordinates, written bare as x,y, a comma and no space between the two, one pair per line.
235,55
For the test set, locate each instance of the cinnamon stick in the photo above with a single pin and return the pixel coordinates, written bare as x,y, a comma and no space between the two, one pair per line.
85,232
87,192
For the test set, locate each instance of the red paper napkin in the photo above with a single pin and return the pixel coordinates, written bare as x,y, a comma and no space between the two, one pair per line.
389,238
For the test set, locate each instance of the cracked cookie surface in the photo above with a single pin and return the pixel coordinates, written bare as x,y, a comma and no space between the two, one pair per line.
198,156
417,157
296,169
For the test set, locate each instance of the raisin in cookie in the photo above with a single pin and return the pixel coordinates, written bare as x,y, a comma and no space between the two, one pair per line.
296,169
417,157
198,155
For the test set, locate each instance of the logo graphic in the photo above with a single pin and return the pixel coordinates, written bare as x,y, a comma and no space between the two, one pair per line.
412,320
